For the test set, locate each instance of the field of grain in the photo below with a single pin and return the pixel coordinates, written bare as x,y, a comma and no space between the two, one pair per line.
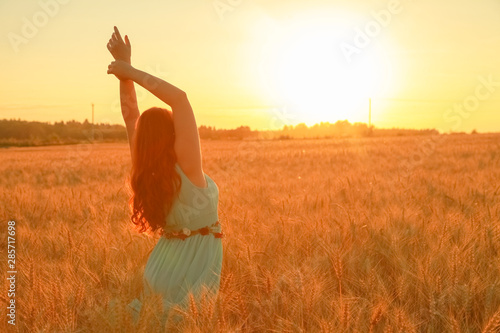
394,234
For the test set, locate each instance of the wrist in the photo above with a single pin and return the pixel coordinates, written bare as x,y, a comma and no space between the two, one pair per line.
124,59
133,74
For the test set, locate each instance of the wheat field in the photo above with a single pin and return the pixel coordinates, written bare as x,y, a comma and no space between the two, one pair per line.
396,234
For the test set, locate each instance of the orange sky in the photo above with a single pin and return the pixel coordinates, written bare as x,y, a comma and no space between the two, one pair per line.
425,64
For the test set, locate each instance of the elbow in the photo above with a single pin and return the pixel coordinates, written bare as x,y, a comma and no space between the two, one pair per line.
180,97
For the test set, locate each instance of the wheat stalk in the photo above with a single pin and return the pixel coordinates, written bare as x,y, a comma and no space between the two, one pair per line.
376,316
493,325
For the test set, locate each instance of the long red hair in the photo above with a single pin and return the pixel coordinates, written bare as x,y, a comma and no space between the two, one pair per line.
154,183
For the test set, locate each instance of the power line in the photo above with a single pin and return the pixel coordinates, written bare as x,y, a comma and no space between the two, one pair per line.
392,99
417,100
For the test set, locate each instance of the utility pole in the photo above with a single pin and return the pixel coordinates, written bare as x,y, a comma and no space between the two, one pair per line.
92,121
370,113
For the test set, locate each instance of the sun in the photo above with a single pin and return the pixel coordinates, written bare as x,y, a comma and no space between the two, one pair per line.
303,66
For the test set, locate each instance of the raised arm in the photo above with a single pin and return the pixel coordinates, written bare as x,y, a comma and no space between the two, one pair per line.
187,141
121,50
130,110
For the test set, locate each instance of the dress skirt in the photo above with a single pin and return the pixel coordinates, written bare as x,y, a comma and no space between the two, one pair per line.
176,267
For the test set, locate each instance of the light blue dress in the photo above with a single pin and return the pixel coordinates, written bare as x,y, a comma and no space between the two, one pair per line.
178,266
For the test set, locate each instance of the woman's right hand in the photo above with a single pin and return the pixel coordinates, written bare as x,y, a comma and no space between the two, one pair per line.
121,69
120,50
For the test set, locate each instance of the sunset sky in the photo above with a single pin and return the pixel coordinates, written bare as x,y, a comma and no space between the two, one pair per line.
424,63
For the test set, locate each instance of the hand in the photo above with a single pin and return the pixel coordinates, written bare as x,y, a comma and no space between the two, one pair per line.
119,49
121,69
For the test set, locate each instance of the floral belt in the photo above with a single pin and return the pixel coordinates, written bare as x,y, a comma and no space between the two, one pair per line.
185,232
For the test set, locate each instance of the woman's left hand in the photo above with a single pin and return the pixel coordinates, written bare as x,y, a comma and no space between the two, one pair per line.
121,69
119,49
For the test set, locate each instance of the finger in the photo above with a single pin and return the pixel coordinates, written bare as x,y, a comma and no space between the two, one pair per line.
127,41
117,33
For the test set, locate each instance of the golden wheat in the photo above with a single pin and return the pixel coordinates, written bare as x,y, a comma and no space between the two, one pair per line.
321,236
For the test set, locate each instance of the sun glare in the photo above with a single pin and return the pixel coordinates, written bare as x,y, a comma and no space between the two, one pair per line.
303,66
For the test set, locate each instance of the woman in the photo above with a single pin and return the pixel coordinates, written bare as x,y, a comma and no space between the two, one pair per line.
170,193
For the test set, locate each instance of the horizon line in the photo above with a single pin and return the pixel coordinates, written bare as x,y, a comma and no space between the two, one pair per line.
268,130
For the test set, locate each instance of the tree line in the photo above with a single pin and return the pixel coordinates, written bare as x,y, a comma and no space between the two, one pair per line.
17,132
